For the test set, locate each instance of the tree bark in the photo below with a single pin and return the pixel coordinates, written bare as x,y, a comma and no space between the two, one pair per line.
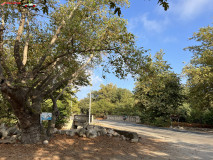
28,116
51,124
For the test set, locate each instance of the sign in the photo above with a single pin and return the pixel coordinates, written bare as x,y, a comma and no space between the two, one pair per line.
46,116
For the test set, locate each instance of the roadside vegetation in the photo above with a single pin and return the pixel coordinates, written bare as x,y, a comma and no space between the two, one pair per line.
42,61
158,92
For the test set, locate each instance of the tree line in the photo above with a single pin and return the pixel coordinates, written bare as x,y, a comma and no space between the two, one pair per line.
158,92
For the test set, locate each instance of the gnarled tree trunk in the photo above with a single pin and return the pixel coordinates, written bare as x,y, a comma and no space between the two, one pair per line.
28,115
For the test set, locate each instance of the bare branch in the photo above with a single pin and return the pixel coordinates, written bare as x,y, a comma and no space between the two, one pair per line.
24,61
75,75
54,38
65,54
17,42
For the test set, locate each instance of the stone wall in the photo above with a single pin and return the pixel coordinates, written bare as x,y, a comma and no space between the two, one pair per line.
135,119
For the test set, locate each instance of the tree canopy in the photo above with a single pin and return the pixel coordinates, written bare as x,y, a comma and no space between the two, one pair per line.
158,91
110,100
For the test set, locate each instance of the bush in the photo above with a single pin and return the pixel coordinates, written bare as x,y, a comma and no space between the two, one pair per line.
184,112
9,121
208,117
161,122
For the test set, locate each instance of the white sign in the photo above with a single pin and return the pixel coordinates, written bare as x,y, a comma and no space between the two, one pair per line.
46,116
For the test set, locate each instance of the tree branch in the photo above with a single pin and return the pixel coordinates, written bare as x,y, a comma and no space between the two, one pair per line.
1,43
24,61
17,43
65,54
54,38
75,75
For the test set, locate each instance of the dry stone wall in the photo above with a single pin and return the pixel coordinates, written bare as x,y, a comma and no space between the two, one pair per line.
135,119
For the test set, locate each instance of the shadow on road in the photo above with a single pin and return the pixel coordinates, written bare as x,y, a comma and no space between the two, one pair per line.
67,148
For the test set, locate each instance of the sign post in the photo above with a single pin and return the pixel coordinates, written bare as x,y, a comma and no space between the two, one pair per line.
45,116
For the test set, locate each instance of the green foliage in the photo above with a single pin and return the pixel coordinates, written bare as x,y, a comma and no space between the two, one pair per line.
158,92
200,70
64,107
6,112
110,100
200,76
161,122
184,112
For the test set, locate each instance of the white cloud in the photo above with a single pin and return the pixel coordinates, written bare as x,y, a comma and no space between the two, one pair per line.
149,24
190,9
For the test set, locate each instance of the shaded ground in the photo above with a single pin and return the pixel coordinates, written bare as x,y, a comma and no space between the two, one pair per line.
66,148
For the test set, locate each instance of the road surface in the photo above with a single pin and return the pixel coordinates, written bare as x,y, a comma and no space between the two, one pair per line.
181,144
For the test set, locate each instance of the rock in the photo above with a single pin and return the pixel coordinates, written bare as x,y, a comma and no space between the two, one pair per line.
98,133
134,140
180,128
89,127
110,131
81,132
45,142
130,135
71,132
4,132
103,131
55,130
84,135
64,131
96,128
91,133
8,140
123,137
2,126
79,127
109,135
13,130
19,137
115,134
14,137
17,132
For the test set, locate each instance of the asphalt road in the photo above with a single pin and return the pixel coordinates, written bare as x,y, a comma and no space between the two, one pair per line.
182,144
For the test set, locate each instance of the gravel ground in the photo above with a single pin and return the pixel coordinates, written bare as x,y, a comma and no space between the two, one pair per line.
181,144
63,147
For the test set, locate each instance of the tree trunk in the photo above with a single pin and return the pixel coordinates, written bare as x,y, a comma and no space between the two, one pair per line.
28,116
31,134
29,122
51,124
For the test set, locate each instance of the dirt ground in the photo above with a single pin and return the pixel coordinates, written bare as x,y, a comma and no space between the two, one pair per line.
70,148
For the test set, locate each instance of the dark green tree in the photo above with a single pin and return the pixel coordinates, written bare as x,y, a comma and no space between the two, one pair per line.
158,91
200,76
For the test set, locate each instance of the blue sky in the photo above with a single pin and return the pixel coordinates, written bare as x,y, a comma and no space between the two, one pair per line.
157,29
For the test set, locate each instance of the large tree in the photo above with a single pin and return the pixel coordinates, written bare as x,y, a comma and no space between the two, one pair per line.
158,91
200,71
109,100
37,57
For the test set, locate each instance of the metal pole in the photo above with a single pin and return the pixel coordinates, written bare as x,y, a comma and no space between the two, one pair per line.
71,104
90,106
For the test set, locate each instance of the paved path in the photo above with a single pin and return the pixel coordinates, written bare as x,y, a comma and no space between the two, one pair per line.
182,144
